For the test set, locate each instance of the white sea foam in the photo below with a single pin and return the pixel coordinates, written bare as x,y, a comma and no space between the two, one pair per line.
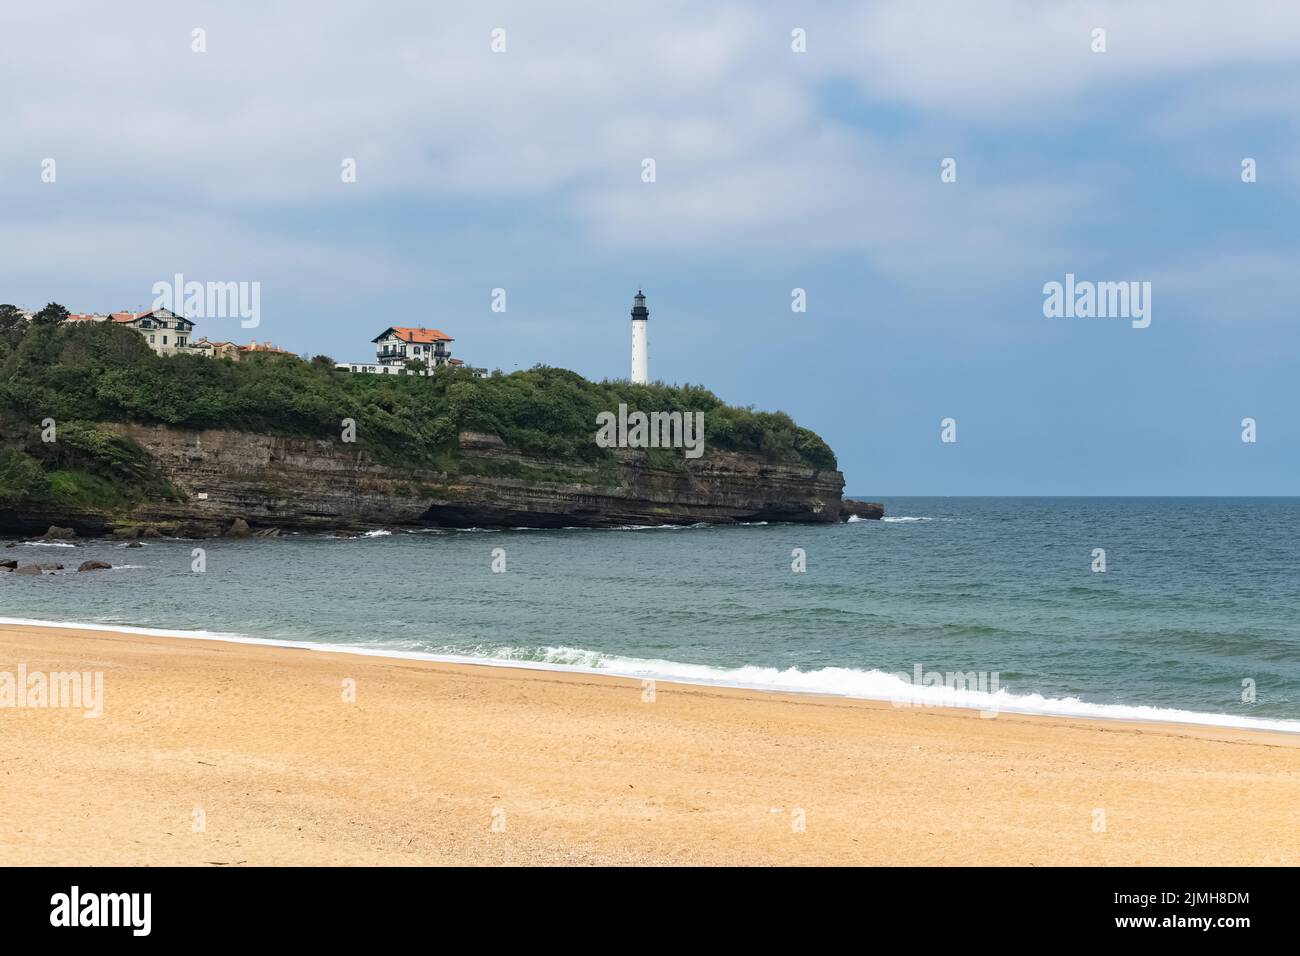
649,527
377,534
906,518
832,681
48,544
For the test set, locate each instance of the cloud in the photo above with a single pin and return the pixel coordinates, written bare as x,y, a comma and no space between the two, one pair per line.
1011,59
749,159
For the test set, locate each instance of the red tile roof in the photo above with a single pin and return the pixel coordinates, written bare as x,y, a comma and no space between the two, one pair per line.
418,336
263,347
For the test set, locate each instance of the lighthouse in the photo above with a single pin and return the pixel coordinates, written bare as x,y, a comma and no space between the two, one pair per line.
640,344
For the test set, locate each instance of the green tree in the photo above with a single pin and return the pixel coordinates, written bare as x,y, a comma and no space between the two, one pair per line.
10,318
52,314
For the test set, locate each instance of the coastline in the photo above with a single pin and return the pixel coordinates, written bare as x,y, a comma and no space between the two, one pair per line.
700,675
576,767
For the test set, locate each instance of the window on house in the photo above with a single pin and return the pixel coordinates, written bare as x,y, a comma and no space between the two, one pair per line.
151,340
164,340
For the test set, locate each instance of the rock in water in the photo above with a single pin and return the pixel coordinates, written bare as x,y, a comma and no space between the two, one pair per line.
55,533
238,529
850,507
27,569
95,566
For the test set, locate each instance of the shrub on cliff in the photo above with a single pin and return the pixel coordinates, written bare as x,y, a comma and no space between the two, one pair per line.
21,477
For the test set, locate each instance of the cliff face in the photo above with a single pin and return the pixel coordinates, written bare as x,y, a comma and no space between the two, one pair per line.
293,483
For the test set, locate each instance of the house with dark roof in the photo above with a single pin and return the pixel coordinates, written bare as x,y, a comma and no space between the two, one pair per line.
166,332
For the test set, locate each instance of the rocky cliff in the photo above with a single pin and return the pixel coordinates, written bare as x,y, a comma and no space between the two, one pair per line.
296,483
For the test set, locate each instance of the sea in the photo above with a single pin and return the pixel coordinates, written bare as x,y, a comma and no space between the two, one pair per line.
1174,609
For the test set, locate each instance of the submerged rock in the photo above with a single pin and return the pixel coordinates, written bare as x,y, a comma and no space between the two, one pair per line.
27,569
95,566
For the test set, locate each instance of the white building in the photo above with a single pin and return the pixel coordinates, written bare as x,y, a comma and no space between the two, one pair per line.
397,346
165,332
640,340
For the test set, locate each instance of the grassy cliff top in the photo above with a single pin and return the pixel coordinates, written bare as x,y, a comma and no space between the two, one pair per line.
91,372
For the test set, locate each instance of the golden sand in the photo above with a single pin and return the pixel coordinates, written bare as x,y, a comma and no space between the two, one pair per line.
212,753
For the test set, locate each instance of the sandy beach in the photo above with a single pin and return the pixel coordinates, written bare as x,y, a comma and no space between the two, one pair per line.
221,754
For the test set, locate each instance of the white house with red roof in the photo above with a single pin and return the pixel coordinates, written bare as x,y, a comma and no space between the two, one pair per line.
398,346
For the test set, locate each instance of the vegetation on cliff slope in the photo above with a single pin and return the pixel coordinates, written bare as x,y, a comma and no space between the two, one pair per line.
92,372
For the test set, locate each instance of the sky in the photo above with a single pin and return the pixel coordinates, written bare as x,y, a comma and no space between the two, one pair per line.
774,169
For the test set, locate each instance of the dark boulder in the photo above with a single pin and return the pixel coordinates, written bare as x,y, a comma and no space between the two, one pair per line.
198,529
95,566
852,507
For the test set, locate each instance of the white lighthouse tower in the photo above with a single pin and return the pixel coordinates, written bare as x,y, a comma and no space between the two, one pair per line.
640,342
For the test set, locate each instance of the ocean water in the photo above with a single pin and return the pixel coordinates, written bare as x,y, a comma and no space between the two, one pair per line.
1198,597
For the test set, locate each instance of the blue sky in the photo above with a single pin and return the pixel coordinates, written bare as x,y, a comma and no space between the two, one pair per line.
522,170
